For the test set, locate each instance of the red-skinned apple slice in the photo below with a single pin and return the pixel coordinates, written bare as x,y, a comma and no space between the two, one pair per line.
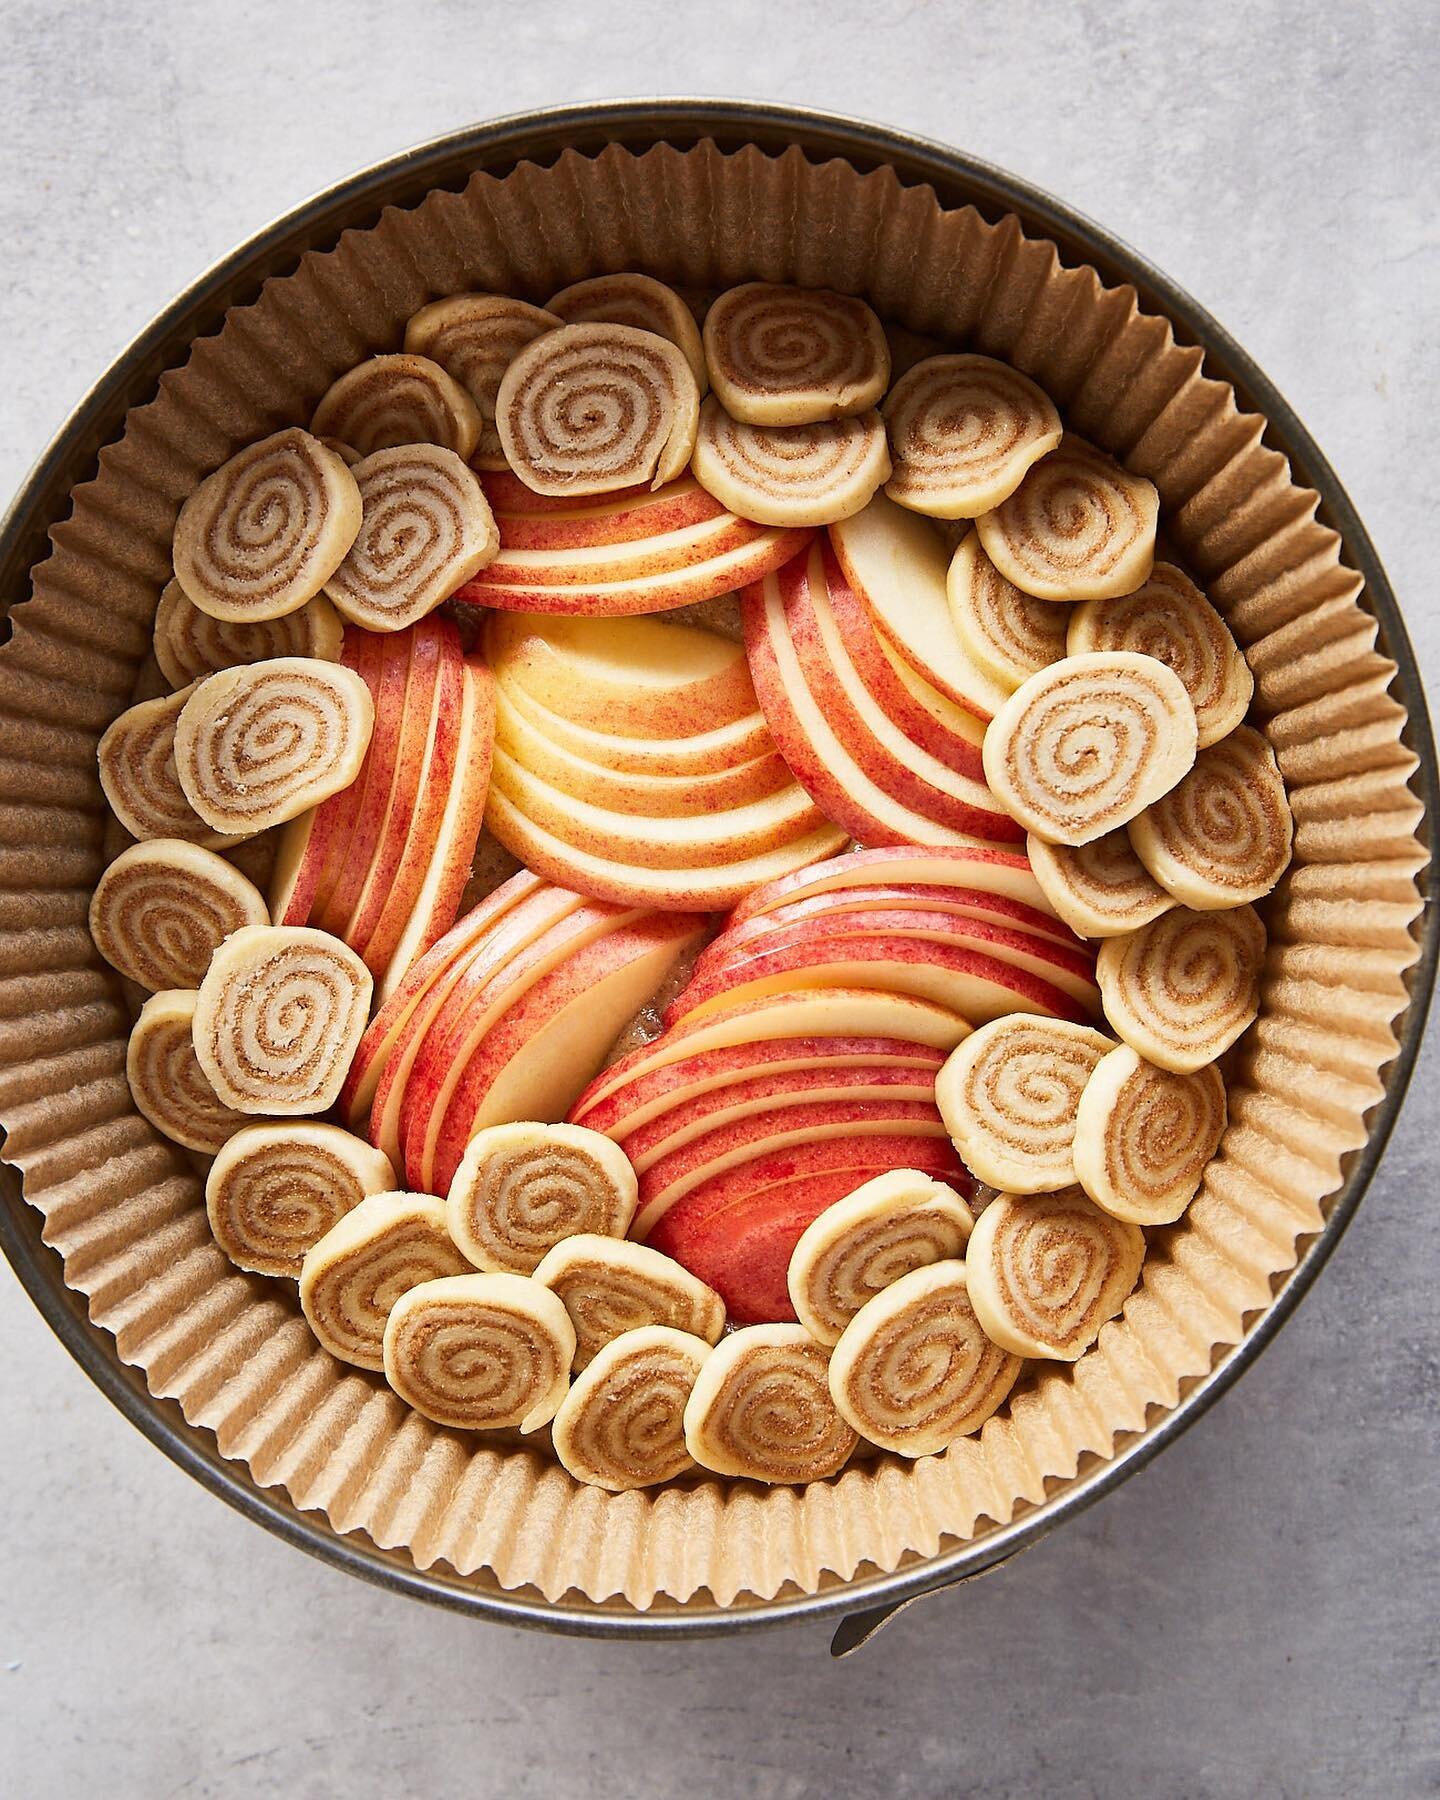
383,664
701,753
1005,873
531,521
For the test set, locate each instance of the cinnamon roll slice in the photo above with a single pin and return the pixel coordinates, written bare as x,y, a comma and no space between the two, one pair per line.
1182,989
610,1286
794,356
1088,743
162,909
1144,1136
261,744
762,1408
622,1425
475,338
790,474
190,643
521,1188
639,301
963,432
267,530
1100,889
278,1018
887,1227
1170,619
166,1080
276,1189
1009,1095
478,1352
140,779
1011,635
591,408
398,399
1078,527
1223,836
352,1277
426,528
1045,1272
914,1369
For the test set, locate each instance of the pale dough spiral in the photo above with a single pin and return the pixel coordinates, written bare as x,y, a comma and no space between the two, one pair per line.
794,356
610,1286
639,301
1046,1271
1182,989
622,1425
399,399
762,1408
591,408
480,1352
162,909
140,778
790,474
1088,743
1010,634
277,1188
190,643
257,745
914,1369
1143,1136
278,1018
1078,527
521,1188
166,1080
963,431
1169,618
268,529
1223,836
475,338
351,1277
1008,1097
887,1227
1100,889
426,528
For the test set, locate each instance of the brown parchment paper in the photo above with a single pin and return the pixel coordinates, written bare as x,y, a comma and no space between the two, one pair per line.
124,1208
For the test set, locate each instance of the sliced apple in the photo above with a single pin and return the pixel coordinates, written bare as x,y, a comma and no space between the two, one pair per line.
992,869
543,521
382,663
700,753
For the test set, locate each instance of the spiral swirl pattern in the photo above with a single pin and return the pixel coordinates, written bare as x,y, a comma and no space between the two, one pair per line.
189,643
591,408
162,909
1088,743
352,1277
762,1408
166,1081
257,745
427,528
898,1222
267,530
479,1352
1046,1271
914,1370
140,779
640,302
1144,1136
276,1189
278,1018
1078,527
794,356
401,399
521,1188
475,338
790,474
1099,889
609,1287
1009,1095
1182,989
1170,619
622,1425
1011,635
963,431
1223,836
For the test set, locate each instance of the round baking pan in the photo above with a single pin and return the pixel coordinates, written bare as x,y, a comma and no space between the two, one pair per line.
958,180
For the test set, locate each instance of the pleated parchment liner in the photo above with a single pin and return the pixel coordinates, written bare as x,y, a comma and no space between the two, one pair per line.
124,1209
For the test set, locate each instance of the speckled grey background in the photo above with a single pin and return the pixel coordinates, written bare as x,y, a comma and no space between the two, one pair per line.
1256,1614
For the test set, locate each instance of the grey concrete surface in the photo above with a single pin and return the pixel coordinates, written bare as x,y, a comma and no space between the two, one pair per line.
1256,1614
